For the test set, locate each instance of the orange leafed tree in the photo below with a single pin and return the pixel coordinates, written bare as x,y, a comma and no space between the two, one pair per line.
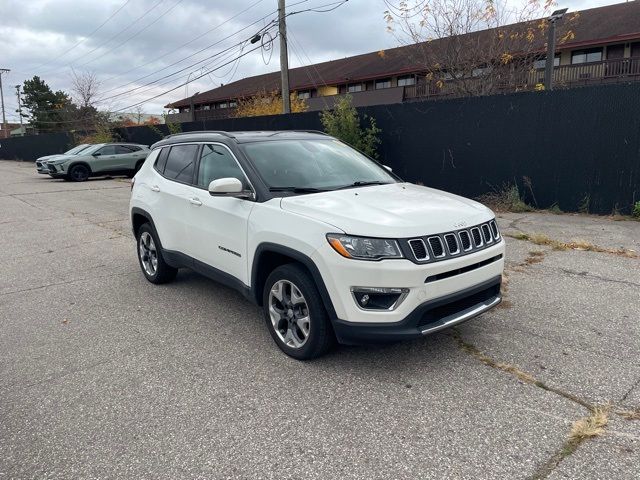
268,103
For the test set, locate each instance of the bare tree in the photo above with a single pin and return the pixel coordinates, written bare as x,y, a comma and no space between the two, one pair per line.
139,114
85,87
473,47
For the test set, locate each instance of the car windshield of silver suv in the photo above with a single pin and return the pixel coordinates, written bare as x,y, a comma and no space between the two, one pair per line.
333,246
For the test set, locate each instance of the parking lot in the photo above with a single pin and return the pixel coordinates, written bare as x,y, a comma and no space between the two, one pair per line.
104,375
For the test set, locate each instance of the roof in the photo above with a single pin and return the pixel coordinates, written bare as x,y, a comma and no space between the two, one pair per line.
595,26
238,137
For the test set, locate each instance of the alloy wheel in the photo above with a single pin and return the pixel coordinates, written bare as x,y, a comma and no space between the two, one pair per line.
148,254
289,314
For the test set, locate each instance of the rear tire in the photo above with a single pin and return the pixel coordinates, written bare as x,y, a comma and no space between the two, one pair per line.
79,173
152,263
294,313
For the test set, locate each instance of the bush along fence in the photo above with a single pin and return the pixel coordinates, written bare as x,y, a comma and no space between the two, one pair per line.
575,149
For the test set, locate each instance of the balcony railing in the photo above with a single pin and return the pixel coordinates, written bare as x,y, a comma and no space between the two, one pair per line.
564,76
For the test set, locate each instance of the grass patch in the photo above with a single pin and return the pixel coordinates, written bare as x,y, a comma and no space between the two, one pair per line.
633,414
590,426
582,245
555,209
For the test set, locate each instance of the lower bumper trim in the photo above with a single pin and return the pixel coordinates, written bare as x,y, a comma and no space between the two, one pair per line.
429,317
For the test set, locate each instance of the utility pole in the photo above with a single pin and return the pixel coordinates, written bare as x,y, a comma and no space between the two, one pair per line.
4,118
284,59
551,48
19,109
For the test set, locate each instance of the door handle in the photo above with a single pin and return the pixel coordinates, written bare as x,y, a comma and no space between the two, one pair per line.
155,188
195,201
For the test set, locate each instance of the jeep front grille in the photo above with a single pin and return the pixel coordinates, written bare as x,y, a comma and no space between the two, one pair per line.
442,246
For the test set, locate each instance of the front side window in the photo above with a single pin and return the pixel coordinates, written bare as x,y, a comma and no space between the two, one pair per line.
107,150
217,162
406,80
313,164
181,163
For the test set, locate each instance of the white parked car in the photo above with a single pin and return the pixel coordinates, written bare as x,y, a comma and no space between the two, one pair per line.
330,243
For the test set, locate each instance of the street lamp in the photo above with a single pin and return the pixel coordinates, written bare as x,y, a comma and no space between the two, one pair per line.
551,48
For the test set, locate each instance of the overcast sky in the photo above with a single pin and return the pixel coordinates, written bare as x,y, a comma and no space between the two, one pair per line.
146,38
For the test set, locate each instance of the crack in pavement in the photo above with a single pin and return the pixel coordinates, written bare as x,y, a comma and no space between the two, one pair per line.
66,282
597,277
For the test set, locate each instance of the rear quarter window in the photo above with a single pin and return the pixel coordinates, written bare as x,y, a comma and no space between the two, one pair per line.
162,160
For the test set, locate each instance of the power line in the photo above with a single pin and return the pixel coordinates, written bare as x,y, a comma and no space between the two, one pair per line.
85,38
112,37
179,71
192,40
134,35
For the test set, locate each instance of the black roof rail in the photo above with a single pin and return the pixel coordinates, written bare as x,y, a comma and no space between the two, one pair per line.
219,132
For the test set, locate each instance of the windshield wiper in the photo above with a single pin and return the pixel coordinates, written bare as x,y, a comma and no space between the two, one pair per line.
298,189
363,183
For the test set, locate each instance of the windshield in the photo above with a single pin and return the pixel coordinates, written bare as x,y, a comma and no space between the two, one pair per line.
313,165
77,149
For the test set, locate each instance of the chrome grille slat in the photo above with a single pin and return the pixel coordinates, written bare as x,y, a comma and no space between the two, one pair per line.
452,244
486,233
477,237
437,247
494,229
419,249
465,240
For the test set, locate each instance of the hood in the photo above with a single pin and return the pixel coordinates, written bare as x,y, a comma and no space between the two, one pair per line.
49,157
398,210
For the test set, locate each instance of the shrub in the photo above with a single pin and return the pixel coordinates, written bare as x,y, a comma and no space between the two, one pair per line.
343,122
506,199
636,210
268,103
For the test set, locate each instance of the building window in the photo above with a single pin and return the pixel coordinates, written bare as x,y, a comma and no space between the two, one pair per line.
223,105
406,80
206,107
385,83
542,62
233,104
586,56
355,87
304,94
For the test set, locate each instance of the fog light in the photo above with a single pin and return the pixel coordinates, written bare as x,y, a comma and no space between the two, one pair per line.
379,298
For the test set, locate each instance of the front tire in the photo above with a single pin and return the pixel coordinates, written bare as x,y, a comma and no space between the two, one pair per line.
295,315
152,263
79,173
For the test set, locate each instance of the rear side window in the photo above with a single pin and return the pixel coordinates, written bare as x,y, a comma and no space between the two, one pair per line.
121,149
181,163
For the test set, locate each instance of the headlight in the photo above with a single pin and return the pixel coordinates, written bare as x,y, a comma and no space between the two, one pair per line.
363,248
57,162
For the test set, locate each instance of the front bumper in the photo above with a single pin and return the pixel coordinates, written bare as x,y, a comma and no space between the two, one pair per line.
429,317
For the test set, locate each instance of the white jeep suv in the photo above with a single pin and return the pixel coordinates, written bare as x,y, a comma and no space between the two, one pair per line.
330,243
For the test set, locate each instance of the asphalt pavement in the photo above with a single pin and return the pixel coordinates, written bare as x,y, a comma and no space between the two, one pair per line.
104,375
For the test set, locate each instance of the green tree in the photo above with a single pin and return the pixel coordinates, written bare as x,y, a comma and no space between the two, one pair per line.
343,122
46,109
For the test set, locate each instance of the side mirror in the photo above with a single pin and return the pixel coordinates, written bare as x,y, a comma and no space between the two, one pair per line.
228,187
387,167
97,154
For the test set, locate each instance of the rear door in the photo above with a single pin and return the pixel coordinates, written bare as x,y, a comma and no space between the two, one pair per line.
171,187
217,225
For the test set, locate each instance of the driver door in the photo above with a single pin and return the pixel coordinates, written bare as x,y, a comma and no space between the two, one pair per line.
105,159
218,224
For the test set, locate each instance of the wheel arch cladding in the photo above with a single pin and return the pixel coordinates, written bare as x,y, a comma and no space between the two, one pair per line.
269,256
138,218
